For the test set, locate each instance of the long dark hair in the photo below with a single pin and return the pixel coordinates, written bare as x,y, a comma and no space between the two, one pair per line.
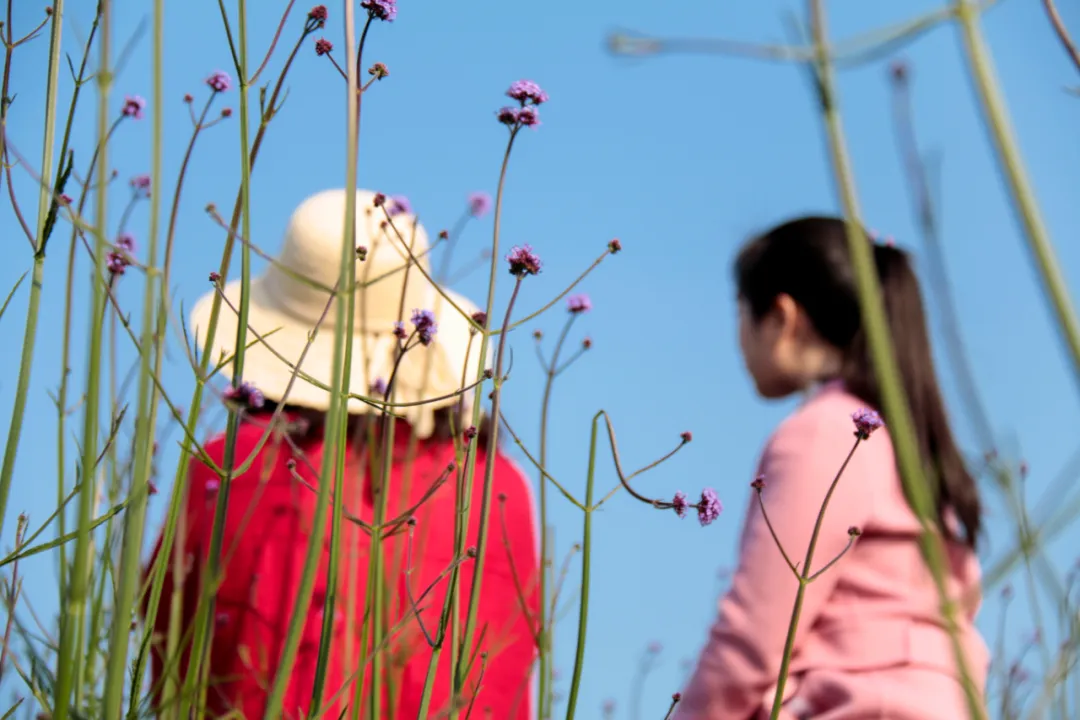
808,259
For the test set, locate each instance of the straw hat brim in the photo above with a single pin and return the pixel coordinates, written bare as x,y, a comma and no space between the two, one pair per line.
277,342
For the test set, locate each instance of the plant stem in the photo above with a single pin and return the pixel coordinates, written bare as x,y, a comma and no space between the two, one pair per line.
981,67
586,570
545,634
883,358
69,656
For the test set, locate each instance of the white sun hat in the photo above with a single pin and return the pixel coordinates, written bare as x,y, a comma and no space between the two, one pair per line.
289,298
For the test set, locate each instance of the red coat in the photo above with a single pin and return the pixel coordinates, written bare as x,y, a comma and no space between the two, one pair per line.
265,543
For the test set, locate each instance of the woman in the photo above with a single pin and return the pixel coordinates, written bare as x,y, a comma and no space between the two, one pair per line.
870,642
272,503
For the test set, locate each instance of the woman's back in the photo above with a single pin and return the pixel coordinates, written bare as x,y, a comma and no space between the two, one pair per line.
266,537
871,615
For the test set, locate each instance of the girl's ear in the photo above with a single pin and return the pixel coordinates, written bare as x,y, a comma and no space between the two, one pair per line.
789,315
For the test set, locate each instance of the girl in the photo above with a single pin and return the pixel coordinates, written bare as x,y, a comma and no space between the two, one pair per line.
272,503
870,641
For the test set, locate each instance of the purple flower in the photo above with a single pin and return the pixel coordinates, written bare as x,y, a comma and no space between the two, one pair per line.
116,263
245,394
679,504
219,81
141,185
508,115
578,304
523,261
317,16
133,107
126,242
866,422
378,387
479,204
399,205
710,507
381,9
399,331
525,91
424,320
323,46
528,116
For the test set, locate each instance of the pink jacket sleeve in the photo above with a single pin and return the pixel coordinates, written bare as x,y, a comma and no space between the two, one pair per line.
738,667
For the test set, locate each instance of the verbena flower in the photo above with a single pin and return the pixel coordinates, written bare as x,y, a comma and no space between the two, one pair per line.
614,246
399,205
424,320
759,483
141,185
686,436
245,394
479,204
679,504
323,46
219,81
126,241
381,9
378,70
866,422
378,387
134,106
399,331
577,304
317,17
525,91
523,261
480,318
710,507
528,117
116,263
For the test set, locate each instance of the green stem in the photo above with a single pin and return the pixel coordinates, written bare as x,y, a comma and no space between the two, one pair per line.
73,615
155,292
804,577
981,67
544,632
464,661
586,570
894,400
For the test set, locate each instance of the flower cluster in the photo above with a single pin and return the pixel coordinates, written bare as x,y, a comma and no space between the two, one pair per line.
246,395
399,205
118,260
708,507
578,304
523,261
424,321
219,81
529,95
479,204
381,9
866,422
133,107
323,46
316,18
140,184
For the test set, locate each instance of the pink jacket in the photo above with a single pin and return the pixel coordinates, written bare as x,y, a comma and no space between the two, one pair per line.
869,642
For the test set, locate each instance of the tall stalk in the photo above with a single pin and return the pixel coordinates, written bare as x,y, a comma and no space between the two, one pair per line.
984,78
69,659
894,399
586,573
45,201
150,365
204,627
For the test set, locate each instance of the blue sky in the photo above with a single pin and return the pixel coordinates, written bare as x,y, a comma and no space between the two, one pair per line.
681,158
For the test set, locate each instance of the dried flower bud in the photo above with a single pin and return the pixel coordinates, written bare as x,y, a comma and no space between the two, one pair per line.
854,532
361,253
470,433
480,318
444,234
226,112
378,70
291,464
379,200
188,98
759,483
614,246
676,697
323,47
470,552
502,497
211,208
686,436
215,276
488,374
586,343
538,334
411,522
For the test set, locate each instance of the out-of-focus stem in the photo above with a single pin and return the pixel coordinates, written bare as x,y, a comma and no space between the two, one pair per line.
70,656
894,398
1012,165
